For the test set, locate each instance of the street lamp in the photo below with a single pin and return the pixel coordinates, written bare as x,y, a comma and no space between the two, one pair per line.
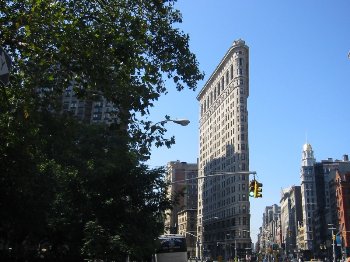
158,127
182,122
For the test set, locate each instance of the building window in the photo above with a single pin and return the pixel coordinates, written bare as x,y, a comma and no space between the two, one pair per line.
237,62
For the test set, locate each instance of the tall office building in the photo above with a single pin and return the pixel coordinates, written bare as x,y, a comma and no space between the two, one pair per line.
223,201
308,192
291,217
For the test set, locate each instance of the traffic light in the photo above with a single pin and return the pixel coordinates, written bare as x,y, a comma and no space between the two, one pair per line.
251,188
258,189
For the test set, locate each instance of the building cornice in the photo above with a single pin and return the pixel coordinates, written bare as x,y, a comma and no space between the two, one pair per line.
236,44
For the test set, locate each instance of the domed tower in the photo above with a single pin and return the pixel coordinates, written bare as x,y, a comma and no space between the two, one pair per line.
308,195
308,158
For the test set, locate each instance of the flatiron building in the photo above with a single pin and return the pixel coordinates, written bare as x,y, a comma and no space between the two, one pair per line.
223,185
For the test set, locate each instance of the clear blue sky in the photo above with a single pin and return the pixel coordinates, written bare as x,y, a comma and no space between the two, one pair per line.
299,84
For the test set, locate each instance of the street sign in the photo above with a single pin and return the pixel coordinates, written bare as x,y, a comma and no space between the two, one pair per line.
5,66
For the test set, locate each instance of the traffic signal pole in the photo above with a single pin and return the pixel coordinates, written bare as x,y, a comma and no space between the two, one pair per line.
215,174
333,241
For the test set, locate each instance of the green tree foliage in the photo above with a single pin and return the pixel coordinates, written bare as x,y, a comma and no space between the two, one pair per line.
122,49
70,190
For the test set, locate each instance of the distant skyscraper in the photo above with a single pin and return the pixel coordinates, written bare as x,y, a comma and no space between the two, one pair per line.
308,192
270,233
291,217
223,201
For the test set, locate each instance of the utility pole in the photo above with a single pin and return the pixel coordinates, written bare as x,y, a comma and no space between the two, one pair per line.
333,240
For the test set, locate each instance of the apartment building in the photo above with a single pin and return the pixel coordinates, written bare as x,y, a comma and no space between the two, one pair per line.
88,111
343,206
182,177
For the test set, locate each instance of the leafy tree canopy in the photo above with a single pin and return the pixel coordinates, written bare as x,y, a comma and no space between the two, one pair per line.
121,49
79,190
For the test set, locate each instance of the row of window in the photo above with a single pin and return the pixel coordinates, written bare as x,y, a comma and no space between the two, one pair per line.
213,95
217,141
223,187
235,221
224,113
225,167
207,157
219,138
223,202
230,158
225,181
